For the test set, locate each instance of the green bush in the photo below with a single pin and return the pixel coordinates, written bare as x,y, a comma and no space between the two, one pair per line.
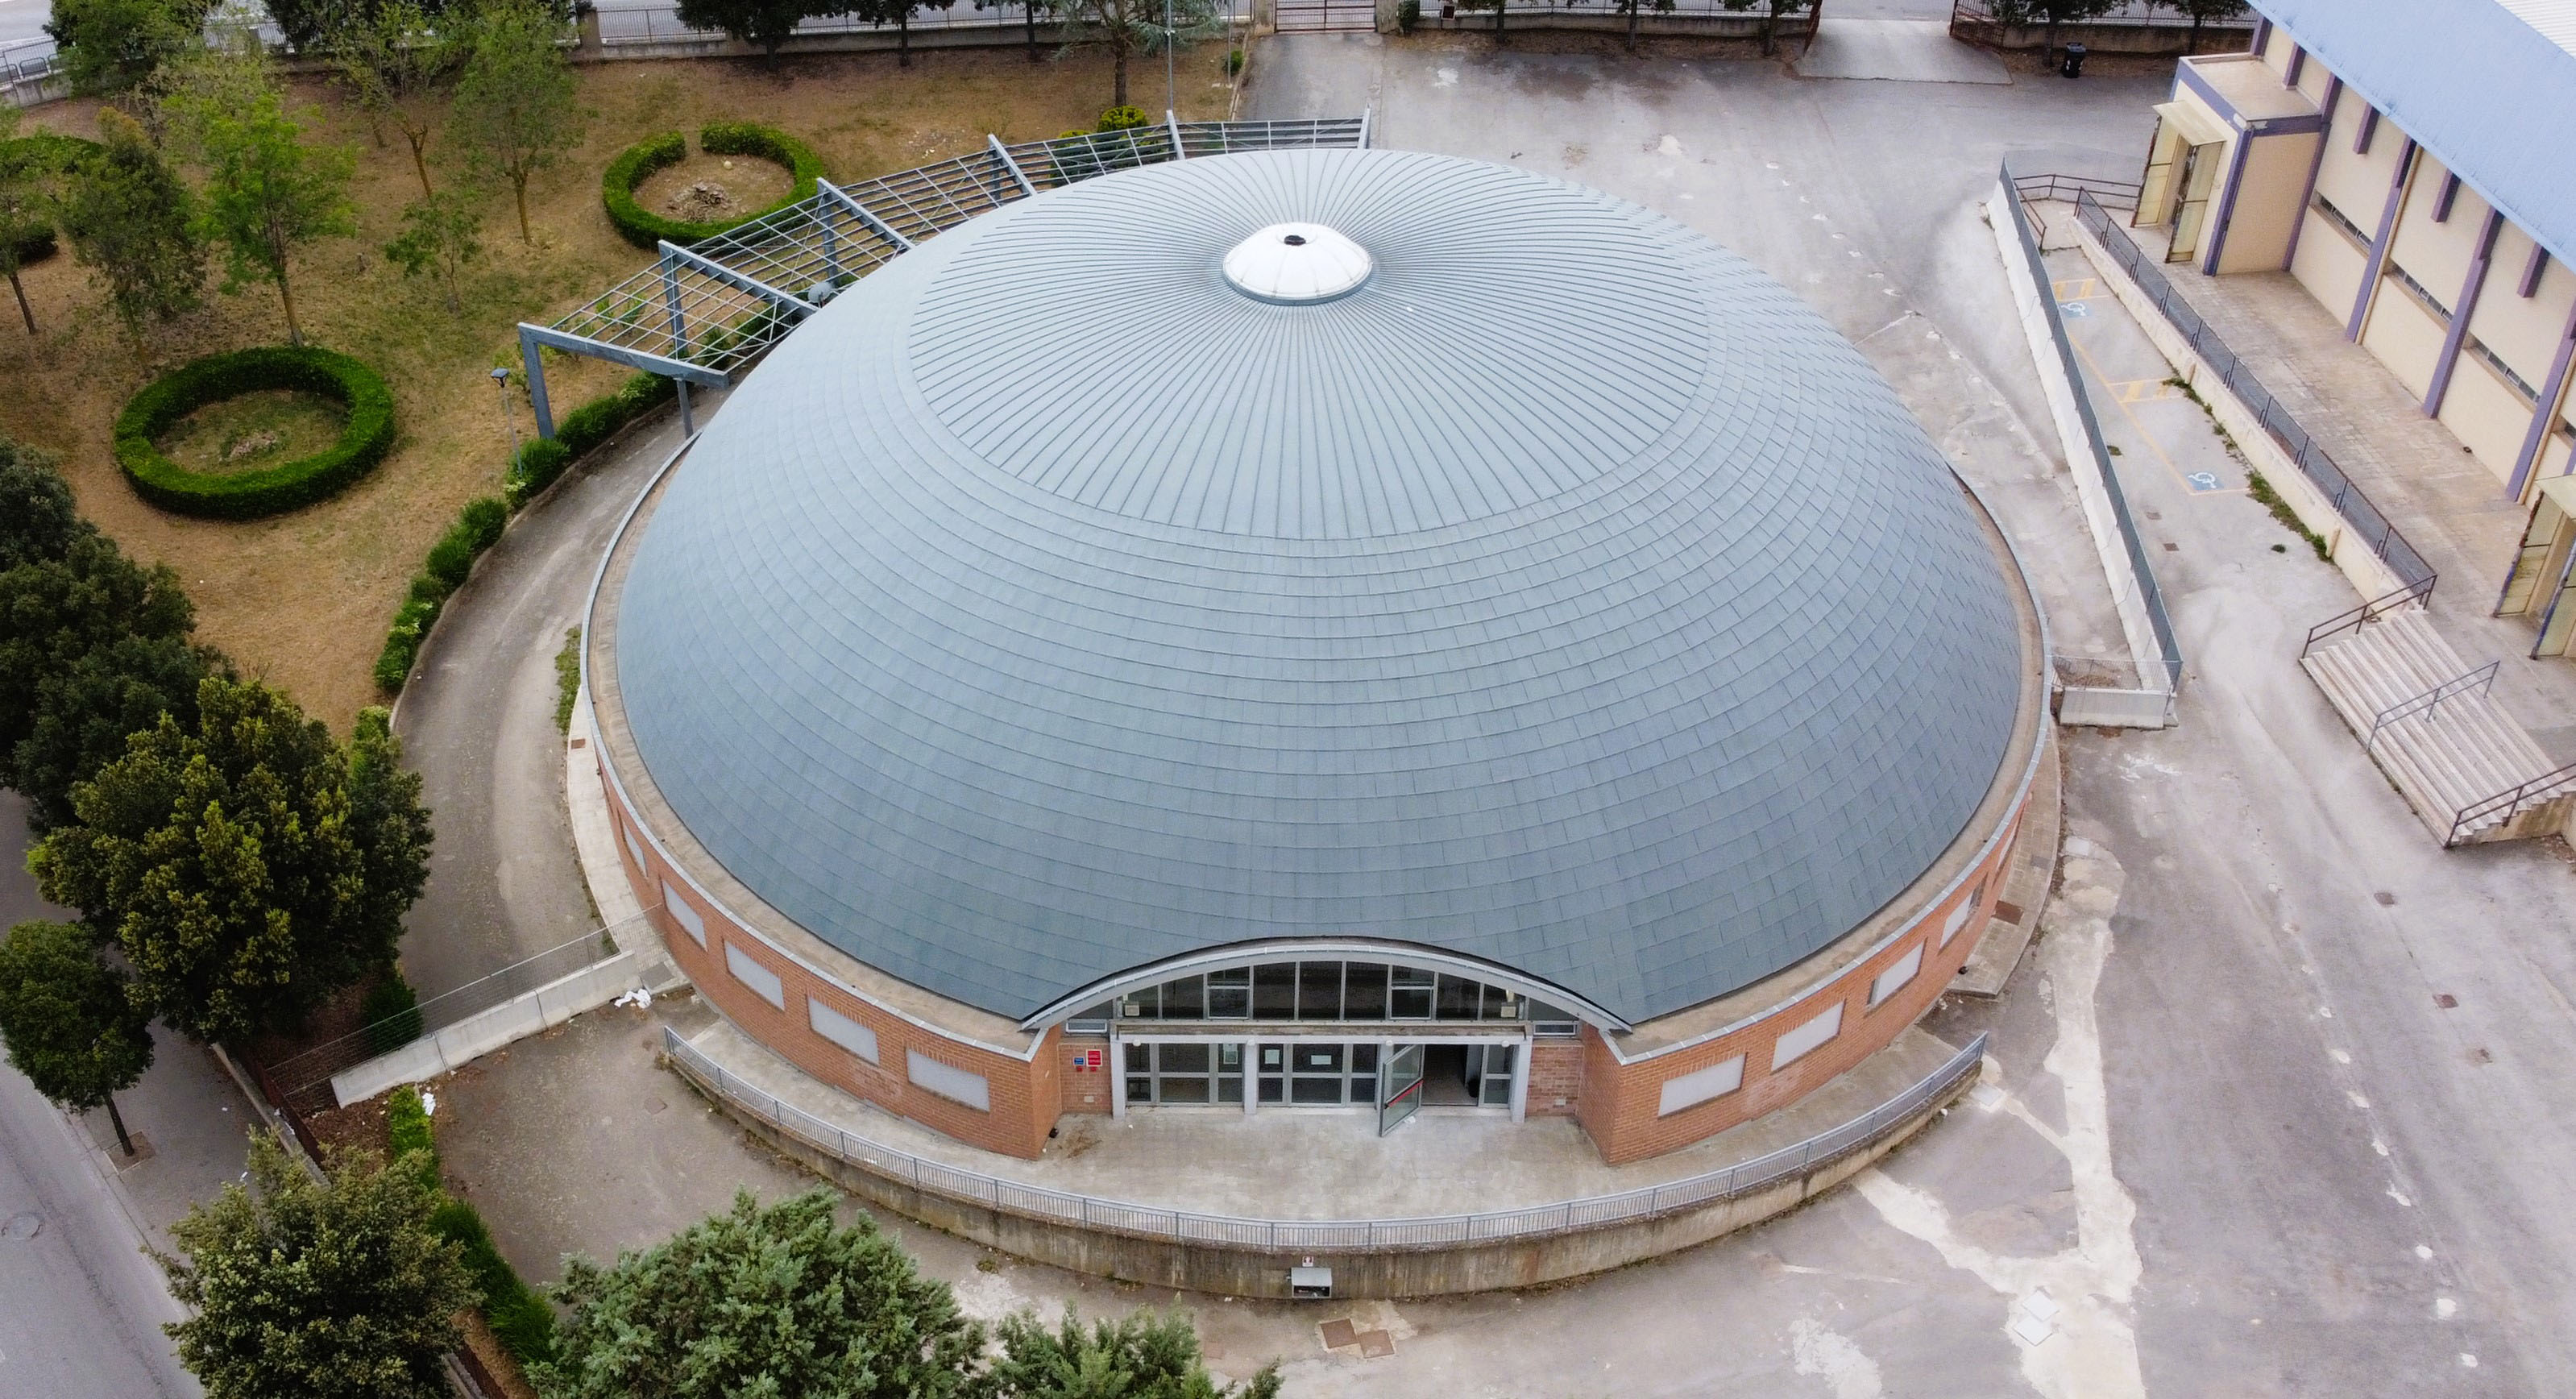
1123,118
451,559
637,163
51,153
408,1134
519,1317
1407,16
482,521
1234,57
391,1015
594,422
251,494
535,467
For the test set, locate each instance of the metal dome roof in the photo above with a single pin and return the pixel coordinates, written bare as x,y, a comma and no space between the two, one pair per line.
1568,595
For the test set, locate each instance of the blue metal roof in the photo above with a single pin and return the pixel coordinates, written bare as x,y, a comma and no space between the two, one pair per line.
2492,98
1569,596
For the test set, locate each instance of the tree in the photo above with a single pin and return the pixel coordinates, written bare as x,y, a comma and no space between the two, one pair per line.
38,517
2051,13
1148,1356
766,23
775,1303
1131,27
23,216
267,192
310,1288
114,46
394,61
133,225
2201,12
441,236
514,107
83,714
247,869
1630,8
1772,10
70,1027
55,611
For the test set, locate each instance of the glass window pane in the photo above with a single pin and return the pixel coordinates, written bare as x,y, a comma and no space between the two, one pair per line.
1140,1089
1229,994
1140,1004
1317,1091
1319,990
1363,1058
1319,1059
1364,991
1183,999
1457,998
1364,1090
1274,991
1229,1058
1500,1004
1273,1089
1184,1058
1140,1058
1229,1089
1185,1090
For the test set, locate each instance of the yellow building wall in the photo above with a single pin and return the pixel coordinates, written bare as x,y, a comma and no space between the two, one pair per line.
2404,335
2267,202
2329,264
2437,254
2485,414
2358,184
2523,330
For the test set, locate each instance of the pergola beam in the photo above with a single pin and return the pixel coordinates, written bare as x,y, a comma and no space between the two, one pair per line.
1003,154
709,267
861,212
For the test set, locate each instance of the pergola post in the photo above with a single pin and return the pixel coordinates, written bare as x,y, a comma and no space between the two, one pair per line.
535,364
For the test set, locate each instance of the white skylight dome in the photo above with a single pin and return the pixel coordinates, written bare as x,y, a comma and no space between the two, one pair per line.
1296,264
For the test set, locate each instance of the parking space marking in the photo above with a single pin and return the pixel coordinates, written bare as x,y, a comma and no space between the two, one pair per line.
2111,389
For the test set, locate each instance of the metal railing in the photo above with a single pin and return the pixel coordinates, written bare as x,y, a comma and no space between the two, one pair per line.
1289,1235
651,23
2506,805
2353,618
2482,679
2169,651
2348,500
2126,14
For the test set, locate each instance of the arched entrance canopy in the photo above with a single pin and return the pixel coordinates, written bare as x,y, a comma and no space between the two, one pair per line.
1437,974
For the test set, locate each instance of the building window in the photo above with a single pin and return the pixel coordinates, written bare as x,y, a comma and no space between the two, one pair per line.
1789,1048
1700,1085
752,974
685,914
635,848
2342,224
2496,362
841,1030
1325,993
948,1080
1229,994
2422,294
1897,974
1409,994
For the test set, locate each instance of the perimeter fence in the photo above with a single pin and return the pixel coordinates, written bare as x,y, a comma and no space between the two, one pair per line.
1296,1235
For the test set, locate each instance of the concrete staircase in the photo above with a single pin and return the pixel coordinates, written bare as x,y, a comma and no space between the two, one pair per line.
2446,758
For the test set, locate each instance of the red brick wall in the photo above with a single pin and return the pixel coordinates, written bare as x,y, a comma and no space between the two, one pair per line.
1556,1071
1086,1083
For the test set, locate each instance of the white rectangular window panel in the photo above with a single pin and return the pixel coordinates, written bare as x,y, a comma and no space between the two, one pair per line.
1898,972
1700,1085
842,1030
684,913
1958,919
635,848
1815,1032
752,974
948,1080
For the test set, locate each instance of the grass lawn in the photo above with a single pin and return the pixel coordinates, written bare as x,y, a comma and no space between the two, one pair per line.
303,598
253,432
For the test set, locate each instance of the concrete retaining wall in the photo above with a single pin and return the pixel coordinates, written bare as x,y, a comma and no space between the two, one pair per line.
1224,1270
534,1013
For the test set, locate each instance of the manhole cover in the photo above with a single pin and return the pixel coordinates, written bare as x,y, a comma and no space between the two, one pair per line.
22,1225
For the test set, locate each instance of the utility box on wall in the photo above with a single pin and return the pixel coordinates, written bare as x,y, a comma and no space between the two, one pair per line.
1310,1283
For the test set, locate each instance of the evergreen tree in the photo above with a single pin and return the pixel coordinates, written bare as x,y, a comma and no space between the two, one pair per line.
38,517
766,23
24,219
1146,1356
83,714
298,1287
70,1027
515,111
133,225
1128,28
115,46
53,612
247,869
267,192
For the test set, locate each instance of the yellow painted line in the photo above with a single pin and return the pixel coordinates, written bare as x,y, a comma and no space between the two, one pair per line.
2143,390
2180,475
2076,288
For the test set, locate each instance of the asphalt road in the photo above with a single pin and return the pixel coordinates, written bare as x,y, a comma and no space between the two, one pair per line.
81,1307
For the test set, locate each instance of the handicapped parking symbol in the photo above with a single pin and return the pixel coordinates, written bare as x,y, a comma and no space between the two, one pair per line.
2074,308
2202,480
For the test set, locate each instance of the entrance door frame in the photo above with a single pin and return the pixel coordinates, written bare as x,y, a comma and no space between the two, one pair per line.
1240,1032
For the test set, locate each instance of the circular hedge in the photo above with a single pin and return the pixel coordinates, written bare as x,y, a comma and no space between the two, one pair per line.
638,162
250,494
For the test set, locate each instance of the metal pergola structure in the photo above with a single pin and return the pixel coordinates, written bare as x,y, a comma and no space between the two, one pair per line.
703,314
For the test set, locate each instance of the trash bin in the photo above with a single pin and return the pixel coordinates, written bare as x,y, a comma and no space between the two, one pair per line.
2073,67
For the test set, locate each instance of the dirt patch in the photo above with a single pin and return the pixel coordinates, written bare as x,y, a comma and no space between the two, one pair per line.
357,1127
707,188
303,599
498,1366
254,431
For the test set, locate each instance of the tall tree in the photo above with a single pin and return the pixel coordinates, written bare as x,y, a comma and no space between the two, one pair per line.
55,611
2201,12
38,517
441,236
1630,8
776,1301
515,107
306,1288
267,192
247,869
2052,13
766,23
133,225
1772,12
115,46
24,219
70,1027
1147,1356
84,712
1128,28
395,60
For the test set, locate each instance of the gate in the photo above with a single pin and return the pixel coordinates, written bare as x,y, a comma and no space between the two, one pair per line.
1321,16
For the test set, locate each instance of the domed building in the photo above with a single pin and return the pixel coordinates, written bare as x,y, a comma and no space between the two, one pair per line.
1318,629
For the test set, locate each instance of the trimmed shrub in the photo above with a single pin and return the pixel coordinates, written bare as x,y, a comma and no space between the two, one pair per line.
519,1317
251,494
451,561
1408,16
408,1134
638,163
1123,118
482,520
541,462
1234,57
391,1015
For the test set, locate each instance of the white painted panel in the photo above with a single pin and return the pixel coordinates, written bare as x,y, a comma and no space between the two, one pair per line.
1700,1085
635,848
684,913
1898,972
1815,1032
842,1030
948,1080
752,974
1958,919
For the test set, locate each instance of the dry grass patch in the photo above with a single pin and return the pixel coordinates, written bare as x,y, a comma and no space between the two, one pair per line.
303,598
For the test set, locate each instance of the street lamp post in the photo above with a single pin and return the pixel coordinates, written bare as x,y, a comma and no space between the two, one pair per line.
501,381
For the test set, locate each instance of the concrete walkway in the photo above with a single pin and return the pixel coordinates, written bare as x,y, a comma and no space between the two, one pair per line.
1897,50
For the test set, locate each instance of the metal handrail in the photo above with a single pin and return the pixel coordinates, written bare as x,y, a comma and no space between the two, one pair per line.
2509,801
1343,1235
2352,619
2483,678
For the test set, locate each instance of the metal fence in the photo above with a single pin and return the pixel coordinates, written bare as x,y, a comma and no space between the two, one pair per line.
652,23
1289,1235
2127,14
2169,651
2369,525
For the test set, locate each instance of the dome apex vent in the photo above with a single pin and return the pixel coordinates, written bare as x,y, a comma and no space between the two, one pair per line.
1297,264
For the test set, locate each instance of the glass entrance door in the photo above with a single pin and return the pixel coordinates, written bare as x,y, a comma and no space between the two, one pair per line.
1401,1087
